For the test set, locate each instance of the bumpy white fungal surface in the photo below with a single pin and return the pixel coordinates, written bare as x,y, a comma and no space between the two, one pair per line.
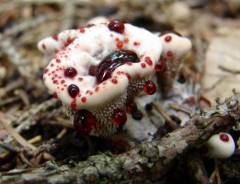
88,46
220,146
175,46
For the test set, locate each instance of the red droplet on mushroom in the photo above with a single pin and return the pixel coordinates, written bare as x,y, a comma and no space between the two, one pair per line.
84,121
168,38
224,137
169,54
92,70
70,72
112,61
55,37
116,25
119,117
149,87
148,60
160,67
73,90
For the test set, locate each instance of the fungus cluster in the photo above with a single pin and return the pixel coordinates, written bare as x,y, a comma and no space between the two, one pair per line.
97,71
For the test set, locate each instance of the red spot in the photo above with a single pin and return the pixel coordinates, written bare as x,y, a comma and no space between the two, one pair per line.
80,78
148,60
55,95
149,87
128,76
224,137
62,81
93,70
114,81
169,54
73,105
119,44
160,67
44,46
45,71
136,43
90,93
168,38
117,26
55,82
73,90
84,121
55,37
97,88
129,63
52,66
84,99
58,60
70,72
69,41
126,40
119,117
143,65
191,101
82,30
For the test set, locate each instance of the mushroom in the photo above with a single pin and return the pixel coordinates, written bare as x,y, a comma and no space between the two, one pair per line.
220,146
98,69
175,47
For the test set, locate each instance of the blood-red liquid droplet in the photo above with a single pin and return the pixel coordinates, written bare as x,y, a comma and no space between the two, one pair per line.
149,87
117,26
112,61
168,38
224,137
70,72
73,90
119,117
160,67
84,121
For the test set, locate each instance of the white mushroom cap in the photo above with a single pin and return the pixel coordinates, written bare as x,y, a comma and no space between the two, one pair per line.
176,44
88,47
220,145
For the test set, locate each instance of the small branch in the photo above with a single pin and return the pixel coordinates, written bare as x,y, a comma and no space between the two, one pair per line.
146,160
7,125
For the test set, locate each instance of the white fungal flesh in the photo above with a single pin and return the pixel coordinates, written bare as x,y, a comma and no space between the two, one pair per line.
89,48
217,148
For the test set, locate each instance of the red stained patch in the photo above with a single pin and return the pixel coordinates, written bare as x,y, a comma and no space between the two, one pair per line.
128,76
97,88
224,137
136,43
45,71
55,37
168,38
169,54
159,67
129,63
119,44
114,81
44,46
83,99
68,42
148,60
55,95
143,65
73,105
81,30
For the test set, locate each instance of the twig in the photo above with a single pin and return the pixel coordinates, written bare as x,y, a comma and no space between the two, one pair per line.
154,157
169,121
7,125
